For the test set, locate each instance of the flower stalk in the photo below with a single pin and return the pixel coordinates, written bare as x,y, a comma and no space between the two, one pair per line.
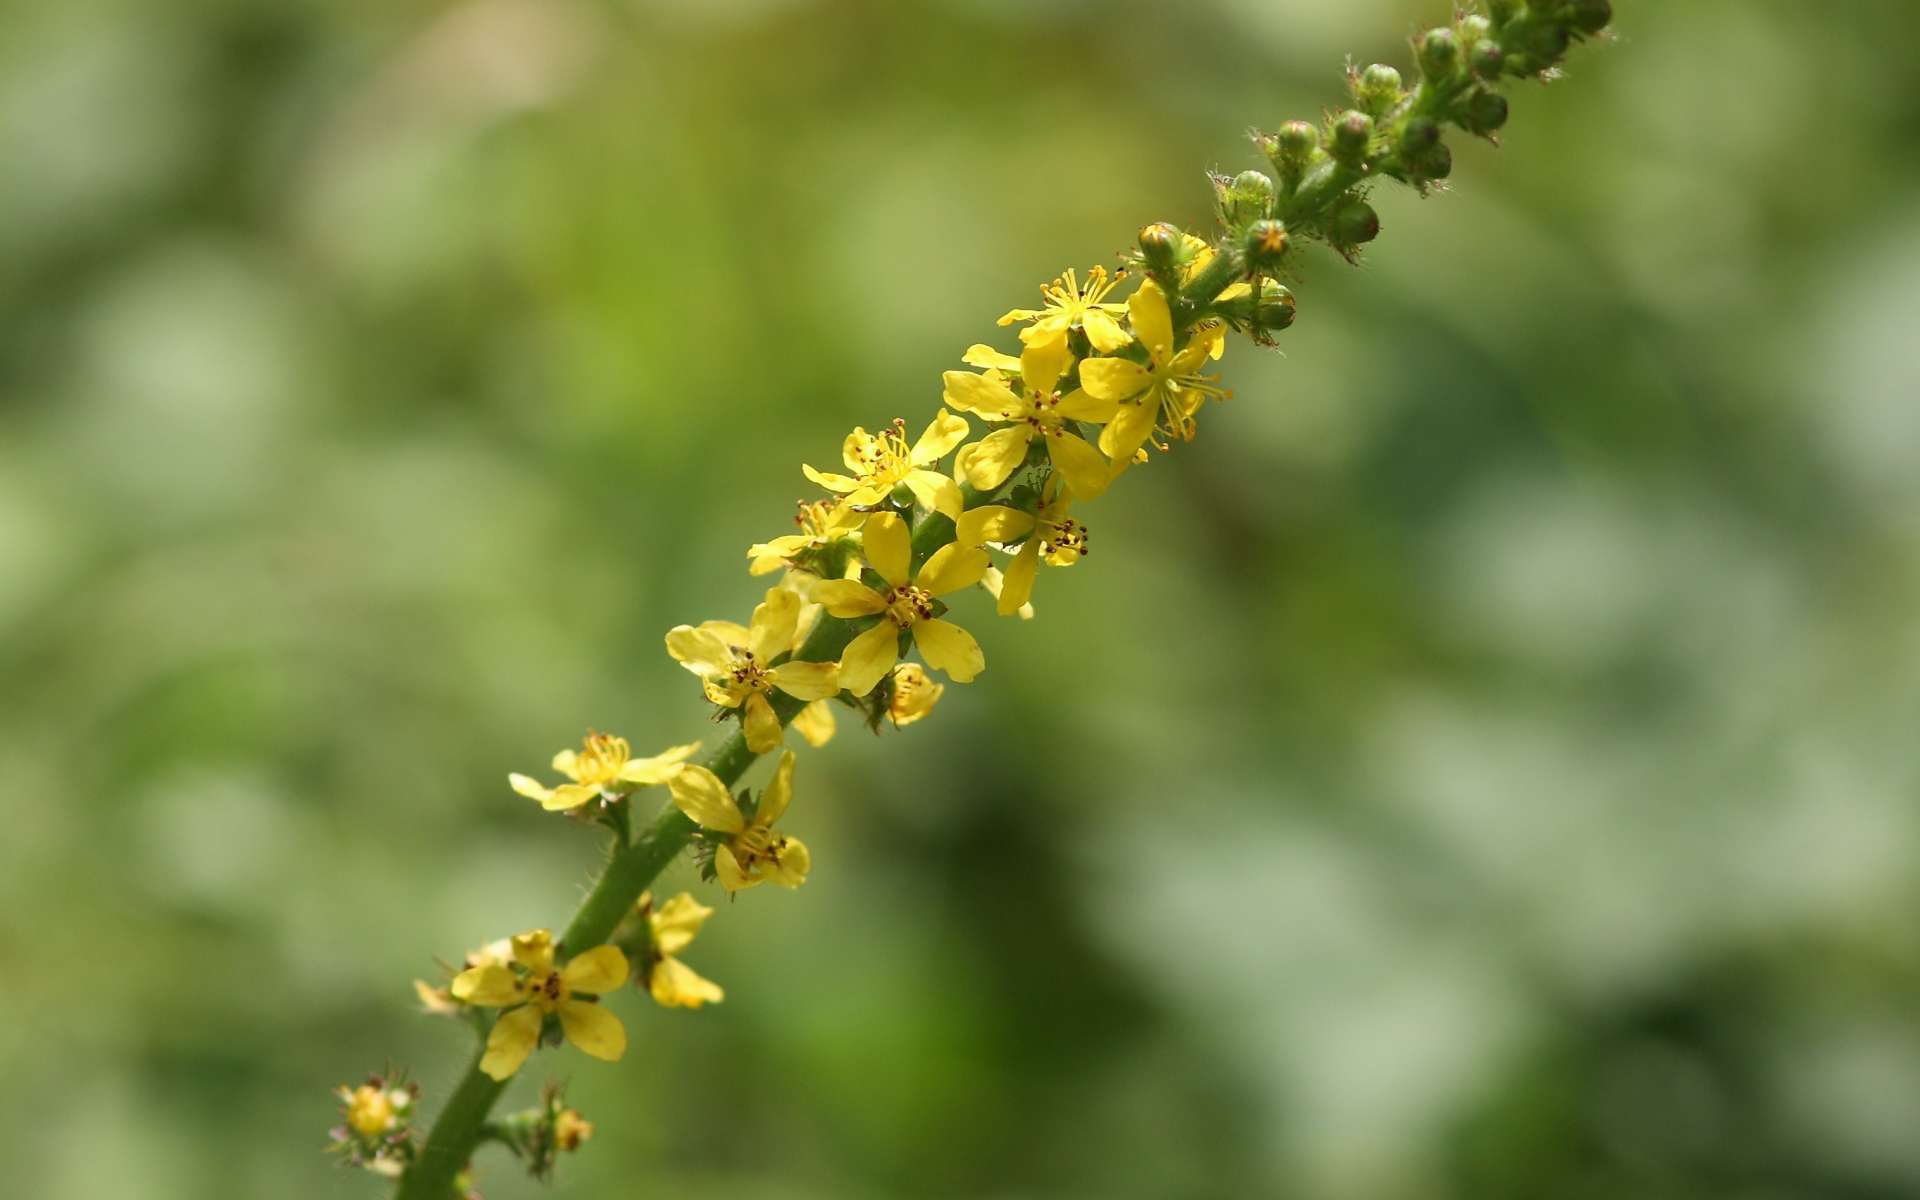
1100,385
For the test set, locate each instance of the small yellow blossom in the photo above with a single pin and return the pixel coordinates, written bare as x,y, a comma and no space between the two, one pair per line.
914,694
570,1129
1067,304
904,606
821,522
672,927
732,664
880,462
750,852
1051,535
1168,387
1035,409
369,1109
604,768
531,989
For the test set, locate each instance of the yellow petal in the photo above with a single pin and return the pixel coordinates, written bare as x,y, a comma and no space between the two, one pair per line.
972,393
761,727
795,861
816,721
489,986
1081,405
534,950
1152,322
727,869
846,598
953,567
1017,587
699,794
987,358
1127,432
660,767
946,431
676,985
1042,364
950,648
1114,378
510,1041
889,549
1103,331
868,657
807,680
532,789
828,480
1050,329
600,970
991,523
699,650
778,793
987,463
935,491
595,1030
569,796
676,922
567,763
1086,472
732,633
774,621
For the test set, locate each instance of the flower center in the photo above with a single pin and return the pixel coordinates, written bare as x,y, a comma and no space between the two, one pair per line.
600,761
1063,541
546,991
885,458
747,674
907,605
813,517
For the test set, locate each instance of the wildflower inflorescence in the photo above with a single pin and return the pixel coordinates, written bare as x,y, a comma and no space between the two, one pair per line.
1112,368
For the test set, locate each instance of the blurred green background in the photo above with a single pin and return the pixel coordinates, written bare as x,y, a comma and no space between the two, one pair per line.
1482,766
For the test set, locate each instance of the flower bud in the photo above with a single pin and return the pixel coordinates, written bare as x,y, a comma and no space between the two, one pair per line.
1439,53
1472,28
1352,131
1486,112
1502,11
1377,89
1419,135
1547,43
1487,61
1266,244
1590,16
1298,140
1158,244
1434,164
1354,223
913,695
1249,198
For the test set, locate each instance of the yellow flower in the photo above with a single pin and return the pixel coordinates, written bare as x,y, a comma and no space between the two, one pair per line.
821,523
672,927
605,768
882,461
1051,535
570,1129
1068,304
732,664
1036,409
914,694
531,989
904,606
1168,387
369,1109
748,852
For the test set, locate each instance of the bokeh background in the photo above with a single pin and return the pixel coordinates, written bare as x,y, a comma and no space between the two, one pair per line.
1482,766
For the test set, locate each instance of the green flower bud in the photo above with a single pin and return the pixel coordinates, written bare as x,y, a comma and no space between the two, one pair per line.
1354,223
1419,135
1591,16
1439,53
1473,28
1547,43
1298,140
1502,11
1487,61
1486,112
1377,89
1434,164
1265,244
1253,190
1159,243
1352,131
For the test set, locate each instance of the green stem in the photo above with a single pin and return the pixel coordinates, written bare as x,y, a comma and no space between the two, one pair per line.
630,871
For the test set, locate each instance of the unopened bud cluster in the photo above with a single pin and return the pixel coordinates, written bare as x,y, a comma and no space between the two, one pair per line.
376,1130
